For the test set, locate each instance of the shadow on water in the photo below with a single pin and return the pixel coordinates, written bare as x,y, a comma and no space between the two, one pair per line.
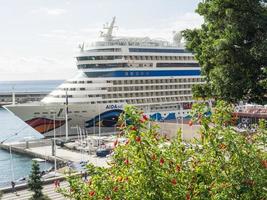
12,129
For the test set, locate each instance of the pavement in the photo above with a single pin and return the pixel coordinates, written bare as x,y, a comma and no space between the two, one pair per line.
70,155
25,194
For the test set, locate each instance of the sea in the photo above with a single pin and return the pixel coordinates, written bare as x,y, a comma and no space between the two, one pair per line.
13,129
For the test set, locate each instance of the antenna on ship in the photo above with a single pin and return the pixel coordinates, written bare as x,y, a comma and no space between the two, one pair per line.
81,47
108,36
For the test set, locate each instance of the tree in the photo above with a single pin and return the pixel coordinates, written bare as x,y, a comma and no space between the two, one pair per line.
35,183
231,47
223,164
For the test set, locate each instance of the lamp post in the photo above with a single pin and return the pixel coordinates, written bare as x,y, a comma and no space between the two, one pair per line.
10,155
66,117
94,127
55,158
99,126
11,162
182,117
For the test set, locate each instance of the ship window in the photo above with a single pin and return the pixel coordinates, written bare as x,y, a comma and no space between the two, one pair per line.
89,81
158,50
107,65
84,111
45,112
177,65
82,88
36,113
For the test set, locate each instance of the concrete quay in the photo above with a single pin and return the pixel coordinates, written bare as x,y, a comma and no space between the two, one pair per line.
43,149
170,130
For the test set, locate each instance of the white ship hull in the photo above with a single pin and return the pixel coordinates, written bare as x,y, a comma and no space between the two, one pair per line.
44,117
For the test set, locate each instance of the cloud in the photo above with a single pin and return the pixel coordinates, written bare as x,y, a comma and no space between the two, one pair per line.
36,68
165,27
49,11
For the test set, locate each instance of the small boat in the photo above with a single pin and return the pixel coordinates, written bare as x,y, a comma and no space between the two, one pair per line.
103,152
38,160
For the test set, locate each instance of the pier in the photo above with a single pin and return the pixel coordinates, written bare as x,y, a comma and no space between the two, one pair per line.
43,149
6,98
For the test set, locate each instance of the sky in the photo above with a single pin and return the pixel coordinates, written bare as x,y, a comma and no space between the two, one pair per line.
39,38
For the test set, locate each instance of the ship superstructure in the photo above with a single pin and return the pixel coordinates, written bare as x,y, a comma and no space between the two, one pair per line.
154,75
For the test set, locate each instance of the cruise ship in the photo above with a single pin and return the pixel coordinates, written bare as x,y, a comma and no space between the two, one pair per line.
154,75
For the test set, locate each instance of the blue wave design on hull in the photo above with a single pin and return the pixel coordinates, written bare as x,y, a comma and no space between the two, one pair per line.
170,116
107,119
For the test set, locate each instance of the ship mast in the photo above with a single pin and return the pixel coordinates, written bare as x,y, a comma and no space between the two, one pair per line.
108,36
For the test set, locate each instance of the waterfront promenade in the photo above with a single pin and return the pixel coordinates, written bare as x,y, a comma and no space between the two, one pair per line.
25,194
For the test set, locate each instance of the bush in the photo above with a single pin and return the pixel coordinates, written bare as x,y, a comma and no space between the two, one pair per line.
223,164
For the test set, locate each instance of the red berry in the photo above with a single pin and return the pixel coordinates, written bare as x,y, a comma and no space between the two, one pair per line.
134,128
115,143
115,189
107,198
161,161
127,142
119,179
92,193
153,157
190,123
126,162
222,146
188,196
173,181
138,138
142,120
178,168
145,117
264,163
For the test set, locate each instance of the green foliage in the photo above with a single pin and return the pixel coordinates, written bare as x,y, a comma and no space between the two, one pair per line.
35,183
231,47
223,164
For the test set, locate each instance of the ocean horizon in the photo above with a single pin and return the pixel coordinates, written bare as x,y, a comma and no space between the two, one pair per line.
29,85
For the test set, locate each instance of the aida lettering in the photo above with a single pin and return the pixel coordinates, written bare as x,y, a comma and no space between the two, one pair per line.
114,106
